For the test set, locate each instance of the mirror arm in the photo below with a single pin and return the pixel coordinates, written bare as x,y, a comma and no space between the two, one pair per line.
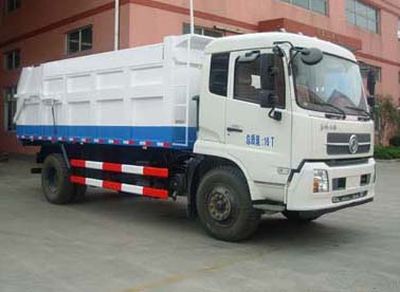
290,64
284,42
291,57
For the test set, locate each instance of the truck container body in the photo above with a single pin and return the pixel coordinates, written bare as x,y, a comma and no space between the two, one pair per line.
240,126
138,96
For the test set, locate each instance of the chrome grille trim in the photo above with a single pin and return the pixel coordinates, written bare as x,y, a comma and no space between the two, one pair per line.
347,144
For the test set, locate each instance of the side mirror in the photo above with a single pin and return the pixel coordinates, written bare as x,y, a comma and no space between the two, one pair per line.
311,56
371,101
371,82
268,100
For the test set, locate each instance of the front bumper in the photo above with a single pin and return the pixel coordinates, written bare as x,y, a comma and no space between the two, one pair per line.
300,195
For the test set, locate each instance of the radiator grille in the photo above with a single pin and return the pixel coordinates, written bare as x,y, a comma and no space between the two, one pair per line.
338,143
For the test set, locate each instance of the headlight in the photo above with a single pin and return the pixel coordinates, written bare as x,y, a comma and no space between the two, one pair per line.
321,181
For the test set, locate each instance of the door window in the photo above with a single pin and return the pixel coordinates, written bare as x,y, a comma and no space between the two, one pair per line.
219,74
259,76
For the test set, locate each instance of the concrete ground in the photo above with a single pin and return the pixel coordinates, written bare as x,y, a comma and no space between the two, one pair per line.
114,243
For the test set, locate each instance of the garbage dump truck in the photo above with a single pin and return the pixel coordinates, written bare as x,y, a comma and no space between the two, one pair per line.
241,126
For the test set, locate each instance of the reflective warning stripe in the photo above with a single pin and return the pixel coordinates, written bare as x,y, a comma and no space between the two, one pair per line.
116,186
121,168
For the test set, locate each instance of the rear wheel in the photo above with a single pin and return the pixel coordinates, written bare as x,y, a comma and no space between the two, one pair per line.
300,217
224,205
56,184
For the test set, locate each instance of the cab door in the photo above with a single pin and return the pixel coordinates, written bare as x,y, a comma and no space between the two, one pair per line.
256,136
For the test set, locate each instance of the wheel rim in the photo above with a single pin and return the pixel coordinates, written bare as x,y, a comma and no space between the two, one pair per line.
219,204
52,177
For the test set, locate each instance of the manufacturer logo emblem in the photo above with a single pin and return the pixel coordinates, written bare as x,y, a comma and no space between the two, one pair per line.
353,144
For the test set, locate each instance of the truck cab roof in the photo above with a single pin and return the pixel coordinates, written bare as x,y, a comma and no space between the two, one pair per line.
266,40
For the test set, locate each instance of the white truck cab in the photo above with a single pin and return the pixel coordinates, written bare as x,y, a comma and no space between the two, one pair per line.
314,151
240,126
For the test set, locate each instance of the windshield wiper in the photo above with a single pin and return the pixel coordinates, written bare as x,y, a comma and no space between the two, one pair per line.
338,109
360,110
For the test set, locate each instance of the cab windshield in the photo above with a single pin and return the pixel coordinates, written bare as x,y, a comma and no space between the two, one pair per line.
333,85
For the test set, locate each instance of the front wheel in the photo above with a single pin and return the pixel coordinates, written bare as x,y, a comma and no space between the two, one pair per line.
224,205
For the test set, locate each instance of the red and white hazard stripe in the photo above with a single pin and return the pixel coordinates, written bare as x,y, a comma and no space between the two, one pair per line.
121,168
116,186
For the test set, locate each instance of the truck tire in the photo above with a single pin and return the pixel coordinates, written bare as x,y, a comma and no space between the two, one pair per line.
224,205
56,185
300,217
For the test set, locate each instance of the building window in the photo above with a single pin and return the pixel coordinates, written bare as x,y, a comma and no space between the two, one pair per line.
12,5
12,60
10,107
203,31
362,15
80,40
219,74
365,68
320,6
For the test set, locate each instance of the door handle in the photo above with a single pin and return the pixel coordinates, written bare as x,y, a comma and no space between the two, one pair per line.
234,129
